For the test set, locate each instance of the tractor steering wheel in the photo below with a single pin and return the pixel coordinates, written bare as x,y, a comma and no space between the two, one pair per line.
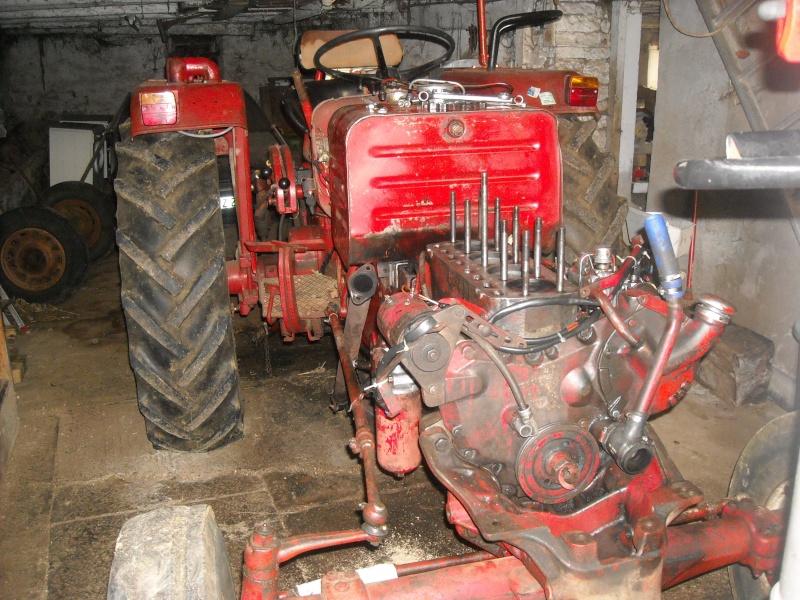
384,71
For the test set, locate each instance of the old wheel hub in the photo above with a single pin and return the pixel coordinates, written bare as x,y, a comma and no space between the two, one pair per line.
33,259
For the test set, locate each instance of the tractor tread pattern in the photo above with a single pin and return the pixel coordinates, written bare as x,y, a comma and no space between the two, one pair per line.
175,292
593,213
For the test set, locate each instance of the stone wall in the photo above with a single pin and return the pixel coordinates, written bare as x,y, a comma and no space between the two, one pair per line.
579,41
45,77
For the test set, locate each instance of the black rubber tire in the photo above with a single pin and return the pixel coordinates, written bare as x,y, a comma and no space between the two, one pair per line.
594,214
43,258
89,210
764,472
176,552
175,292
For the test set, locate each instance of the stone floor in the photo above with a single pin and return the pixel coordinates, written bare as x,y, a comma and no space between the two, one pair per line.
82,464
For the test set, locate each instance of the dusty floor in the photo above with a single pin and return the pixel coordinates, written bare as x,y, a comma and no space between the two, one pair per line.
82,464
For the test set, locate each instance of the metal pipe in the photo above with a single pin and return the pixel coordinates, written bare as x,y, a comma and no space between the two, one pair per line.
483,219
613,317
537,249
374,512
503,250
467,226
483,43
453,222
515,235
665,346
526,262
561,263
497,224
424,566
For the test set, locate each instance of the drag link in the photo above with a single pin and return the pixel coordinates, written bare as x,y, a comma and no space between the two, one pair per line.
374,511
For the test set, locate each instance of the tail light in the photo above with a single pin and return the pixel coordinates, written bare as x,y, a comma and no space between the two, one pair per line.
158,108
582,91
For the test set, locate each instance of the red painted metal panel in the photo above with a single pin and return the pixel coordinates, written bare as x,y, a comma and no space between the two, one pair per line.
522,80
391,174
206,105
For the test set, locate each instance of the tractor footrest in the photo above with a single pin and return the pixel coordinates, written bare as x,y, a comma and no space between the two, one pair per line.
313,293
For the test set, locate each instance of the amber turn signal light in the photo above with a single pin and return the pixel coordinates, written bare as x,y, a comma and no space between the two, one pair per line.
158,108
582,91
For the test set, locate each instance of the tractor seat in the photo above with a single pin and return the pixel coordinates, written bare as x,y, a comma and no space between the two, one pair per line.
353,55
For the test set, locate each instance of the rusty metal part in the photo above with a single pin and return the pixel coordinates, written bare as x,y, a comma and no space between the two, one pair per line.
264,553
661,357
397,438
614,318
302,95
425,566
483,44
558,464
374,511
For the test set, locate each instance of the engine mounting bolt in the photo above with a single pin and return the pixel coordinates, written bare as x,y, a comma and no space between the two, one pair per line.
433,389
456,128
534,359
551,352
440,444
457,430
433,354
484,330
470,454
587,336
468,352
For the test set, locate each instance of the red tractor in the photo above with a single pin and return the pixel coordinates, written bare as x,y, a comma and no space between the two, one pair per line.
431,236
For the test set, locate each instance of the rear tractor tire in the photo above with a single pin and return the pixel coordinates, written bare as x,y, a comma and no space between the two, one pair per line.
594,214
175,291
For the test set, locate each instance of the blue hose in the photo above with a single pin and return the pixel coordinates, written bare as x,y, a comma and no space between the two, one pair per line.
666,263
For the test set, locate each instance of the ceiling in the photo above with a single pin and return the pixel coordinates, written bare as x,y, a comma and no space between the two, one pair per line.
144,16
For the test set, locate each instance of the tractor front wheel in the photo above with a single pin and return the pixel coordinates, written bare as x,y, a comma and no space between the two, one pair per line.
175,291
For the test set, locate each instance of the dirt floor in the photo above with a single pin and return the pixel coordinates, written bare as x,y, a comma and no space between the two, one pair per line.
82,464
